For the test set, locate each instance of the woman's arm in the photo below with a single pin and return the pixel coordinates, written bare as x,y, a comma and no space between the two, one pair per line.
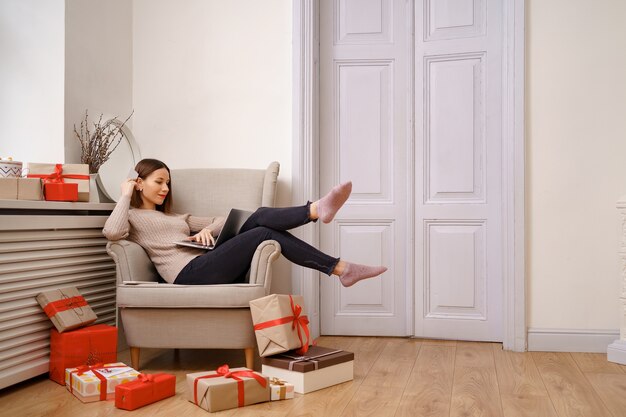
117,225
212,224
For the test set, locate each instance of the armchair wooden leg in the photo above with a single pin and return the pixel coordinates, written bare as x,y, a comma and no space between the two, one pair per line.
249,358
134,358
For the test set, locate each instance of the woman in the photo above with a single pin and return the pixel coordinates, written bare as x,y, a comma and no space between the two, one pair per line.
143,215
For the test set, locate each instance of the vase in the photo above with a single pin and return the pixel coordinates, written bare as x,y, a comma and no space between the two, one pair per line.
95,193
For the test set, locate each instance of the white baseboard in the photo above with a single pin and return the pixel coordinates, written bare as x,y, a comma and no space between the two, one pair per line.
616,352
570,340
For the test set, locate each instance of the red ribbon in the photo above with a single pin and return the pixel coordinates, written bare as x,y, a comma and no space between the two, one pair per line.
296,321
57,176
64,304
224,371
94,368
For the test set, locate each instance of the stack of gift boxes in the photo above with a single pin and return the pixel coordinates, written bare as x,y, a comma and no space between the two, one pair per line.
51,182
83,357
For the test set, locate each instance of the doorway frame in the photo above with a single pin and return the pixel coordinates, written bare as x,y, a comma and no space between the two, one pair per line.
305,161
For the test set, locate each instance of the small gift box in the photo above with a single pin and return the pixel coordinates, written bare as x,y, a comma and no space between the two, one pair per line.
146,389
279,325
88,345
227,388
319,368
280,390
20,189
98,382
10,168
61,174
66,308
60,192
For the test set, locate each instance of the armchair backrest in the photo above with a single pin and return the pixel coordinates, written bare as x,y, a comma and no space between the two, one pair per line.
213,192
202,192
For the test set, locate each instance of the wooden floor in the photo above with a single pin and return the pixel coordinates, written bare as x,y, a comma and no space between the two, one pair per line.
393,377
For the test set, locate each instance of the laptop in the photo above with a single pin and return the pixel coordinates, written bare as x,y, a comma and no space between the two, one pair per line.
235,219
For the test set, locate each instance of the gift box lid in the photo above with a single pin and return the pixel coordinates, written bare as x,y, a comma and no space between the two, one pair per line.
316,357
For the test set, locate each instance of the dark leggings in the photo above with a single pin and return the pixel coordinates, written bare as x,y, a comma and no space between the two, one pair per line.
229,262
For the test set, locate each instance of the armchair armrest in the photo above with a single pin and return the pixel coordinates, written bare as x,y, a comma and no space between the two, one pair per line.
261,267
132,262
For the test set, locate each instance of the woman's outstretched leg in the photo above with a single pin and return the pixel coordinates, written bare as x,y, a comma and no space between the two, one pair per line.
287,218
303,254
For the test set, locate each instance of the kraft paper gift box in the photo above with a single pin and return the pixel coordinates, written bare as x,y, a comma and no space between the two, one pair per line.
146,389
279,325
98,382
61,173
227,388
66,308
86,346
319,368
20,189
280,390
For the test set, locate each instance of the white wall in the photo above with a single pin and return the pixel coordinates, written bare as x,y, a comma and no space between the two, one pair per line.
576,161
32,43
212,83
98,64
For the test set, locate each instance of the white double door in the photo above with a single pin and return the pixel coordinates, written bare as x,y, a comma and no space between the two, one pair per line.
410,111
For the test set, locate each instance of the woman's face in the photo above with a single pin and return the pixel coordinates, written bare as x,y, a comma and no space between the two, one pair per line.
154,188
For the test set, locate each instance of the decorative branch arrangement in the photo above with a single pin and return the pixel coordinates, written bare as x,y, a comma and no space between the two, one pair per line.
97,146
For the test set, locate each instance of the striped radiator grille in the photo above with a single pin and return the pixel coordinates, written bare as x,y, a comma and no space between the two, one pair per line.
40,253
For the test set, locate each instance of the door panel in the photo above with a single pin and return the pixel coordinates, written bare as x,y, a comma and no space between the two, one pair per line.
364,132
458,131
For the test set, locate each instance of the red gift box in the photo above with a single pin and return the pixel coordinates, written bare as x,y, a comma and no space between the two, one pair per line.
86,346
146,389
60,191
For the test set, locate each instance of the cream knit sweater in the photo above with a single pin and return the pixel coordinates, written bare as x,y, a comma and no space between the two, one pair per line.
156,232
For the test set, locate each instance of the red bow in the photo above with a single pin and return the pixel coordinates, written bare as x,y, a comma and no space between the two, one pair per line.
224,371
145,377
57,176
297,322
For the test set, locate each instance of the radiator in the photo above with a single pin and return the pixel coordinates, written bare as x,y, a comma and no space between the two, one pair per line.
40,252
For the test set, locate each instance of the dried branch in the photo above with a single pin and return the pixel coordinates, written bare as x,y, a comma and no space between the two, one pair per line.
97,147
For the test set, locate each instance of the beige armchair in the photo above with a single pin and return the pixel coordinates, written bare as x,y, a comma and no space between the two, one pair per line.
160,315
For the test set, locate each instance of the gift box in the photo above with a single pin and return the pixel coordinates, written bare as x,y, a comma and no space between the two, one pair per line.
61,173
98,382
60,192
279,325
227,388
146,389
280,390
66,308
319,368
20,189
10,168
86,346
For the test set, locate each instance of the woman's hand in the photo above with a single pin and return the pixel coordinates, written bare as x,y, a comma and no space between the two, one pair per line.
204,236
128,187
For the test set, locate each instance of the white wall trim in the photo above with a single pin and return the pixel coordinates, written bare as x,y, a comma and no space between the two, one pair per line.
305,183
616,352
304,180
570,340
513,157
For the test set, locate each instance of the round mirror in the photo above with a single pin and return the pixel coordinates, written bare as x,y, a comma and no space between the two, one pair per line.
124,158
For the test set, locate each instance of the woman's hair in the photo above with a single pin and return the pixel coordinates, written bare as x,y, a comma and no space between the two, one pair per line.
144,168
